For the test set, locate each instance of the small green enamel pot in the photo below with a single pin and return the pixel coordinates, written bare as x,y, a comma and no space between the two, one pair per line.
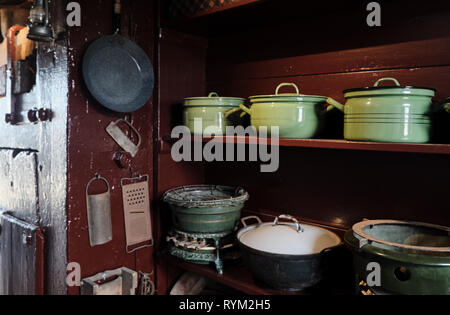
211,111
387,113
296,115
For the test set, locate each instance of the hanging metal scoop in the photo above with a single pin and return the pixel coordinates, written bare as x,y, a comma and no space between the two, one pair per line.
99,215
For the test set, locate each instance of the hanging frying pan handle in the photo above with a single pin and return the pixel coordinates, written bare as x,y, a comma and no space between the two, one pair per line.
288,217
117,23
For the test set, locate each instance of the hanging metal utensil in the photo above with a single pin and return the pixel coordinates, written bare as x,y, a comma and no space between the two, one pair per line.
121,139
99,215
125,283
136,206
12,117
117,72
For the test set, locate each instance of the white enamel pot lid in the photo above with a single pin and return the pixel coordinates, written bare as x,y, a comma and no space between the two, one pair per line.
283,238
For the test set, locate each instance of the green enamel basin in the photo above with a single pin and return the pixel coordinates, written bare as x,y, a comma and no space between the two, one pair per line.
206,208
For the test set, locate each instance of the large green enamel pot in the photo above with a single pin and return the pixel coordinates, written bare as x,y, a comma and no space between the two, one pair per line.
211,112
414,258
387,113
206,209
297,116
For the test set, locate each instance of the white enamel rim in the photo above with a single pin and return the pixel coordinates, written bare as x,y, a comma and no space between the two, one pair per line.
337,241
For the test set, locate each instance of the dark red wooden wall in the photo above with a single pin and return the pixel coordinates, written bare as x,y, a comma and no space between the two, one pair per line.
91,150
327,48
324,47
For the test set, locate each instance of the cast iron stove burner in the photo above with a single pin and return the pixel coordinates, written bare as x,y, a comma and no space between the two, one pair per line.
203,249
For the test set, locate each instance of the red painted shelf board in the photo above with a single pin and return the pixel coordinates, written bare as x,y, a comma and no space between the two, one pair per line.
214,10
337,144
236,276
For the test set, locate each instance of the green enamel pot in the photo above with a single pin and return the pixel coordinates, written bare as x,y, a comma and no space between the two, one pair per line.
387,113
296,115
413,258
212,112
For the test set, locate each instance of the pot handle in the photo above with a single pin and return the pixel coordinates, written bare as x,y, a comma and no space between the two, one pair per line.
232,111
244,220
287,84
245,109
387,79
288,217
335,104
438,106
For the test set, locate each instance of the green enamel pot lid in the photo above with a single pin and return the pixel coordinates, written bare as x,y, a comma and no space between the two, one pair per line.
214,99
287,97
391,90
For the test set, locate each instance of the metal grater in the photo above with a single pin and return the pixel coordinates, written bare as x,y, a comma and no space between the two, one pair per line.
136,206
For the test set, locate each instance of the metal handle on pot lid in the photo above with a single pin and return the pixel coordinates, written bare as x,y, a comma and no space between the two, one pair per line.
387,79
244,220
287,84
213,94
288,217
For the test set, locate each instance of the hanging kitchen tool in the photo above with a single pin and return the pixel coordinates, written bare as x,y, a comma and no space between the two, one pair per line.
117,72
121,139
99,215
124,282
12,117
146,286
136,207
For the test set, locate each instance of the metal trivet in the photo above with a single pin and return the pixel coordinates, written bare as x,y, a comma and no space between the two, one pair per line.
364,289
203,249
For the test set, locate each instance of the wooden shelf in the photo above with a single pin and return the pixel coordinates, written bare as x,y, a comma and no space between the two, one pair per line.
224,8
237,277
442,149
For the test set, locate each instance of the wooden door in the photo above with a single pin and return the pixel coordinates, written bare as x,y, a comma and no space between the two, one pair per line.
21,257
